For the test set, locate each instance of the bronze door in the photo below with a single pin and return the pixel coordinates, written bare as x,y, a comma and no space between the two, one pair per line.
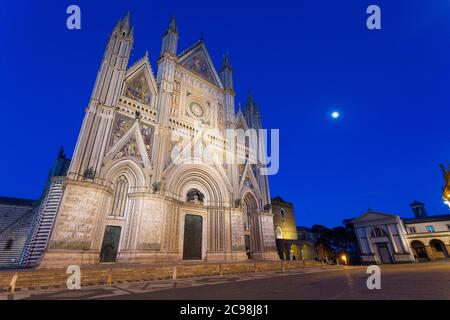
192,247
110,244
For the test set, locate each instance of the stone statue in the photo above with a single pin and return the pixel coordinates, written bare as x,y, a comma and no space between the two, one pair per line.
137,115
89,174
237,203
156,186
195,196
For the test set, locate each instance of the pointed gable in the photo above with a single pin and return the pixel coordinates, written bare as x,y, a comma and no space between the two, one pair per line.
198,61
139,90
372,216
135,141
130,149
140,83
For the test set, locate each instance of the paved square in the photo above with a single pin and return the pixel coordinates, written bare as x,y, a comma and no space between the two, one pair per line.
409,281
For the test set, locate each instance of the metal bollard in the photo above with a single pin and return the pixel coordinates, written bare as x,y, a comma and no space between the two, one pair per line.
174,274
12,284
109,280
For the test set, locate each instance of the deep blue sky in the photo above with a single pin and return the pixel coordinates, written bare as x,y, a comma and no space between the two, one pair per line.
302,59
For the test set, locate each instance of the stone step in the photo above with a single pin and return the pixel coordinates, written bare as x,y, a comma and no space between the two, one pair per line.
99,275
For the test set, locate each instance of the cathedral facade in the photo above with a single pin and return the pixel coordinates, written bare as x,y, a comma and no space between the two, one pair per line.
128,197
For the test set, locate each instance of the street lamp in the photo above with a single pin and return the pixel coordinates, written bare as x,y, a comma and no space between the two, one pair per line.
344,258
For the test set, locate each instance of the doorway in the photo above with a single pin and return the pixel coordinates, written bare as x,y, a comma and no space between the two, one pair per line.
110,245
438,249
192,246
248,249
420,253
384,253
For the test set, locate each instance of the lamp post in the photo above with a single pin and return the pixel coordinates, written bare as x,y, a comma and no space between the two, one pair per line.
344,258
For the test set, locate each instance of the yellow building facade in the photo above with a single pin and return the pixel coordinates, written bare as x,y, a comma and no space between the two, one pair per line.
285,226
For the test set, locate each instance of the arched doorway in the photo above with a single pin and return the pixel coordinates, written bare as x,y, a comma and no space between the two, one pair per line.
202,191
295,251
438,248
115,220
420,252
250,208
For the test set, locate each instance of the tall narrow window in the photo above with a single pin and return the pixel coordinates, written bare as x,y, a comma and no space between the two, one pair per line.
120,197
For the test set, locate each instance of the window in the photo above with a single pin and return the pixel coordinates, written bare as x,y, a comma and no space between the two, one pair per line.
9,244
448,226
282,212
378,233
430,229
120,197
411,230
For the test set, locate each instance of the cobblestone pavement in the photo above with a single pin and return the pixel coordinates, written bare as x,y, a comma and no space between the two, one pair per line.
409,281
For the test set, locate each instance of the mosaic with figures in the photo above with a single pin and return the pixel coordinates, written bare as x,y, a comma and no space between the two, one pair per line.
139,90
122,124
130,149
147,133
198,63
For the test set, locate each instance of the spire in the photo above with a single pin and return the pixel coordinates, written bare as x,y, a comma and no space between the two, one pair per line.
126,22
251,112
250,98
226,72
170,38
173,24
61,153
226,62
250,106
124,27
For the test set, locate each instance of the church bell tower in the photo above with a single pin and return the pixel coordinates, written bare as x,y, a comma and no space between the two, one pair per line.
99,116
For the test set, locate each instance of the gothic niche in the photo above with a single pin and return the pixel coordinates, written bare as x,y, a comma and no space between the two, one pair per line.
195,196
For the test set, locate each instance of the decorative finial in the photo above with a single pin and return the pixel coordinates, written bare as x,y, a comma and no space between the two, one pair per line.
126,21
173,23
61,152
444,169
226,60
250,97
